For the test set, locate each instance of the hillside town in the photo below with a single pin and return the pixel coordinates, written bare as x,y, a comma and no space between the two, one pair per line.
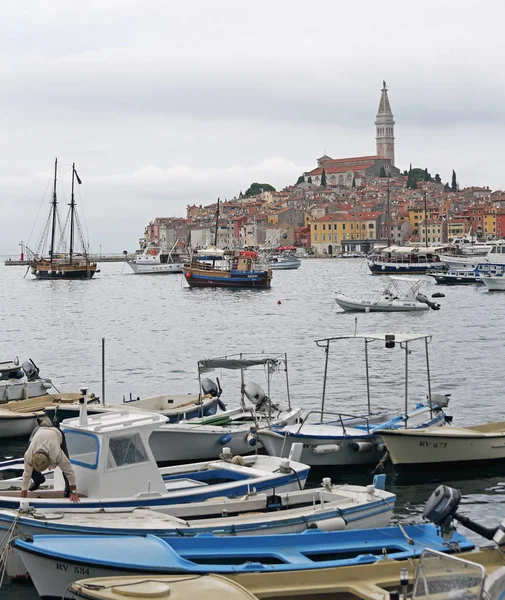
341,206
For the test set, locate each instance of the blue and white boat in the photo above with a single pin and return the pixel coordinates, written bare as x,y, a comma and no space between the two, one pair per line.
340,439
55,562
328,508
115,468
405,259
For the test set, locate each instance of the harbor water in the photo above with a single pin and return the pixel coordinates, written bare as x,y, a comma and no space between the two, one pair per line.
156,328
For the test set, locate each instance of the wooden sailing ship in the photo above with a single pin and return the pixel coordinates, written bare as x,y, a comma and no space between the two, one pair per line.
62,262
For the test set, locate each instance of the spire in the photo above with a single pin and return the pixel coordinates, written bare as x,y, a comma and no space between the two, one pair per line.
384,106
385,128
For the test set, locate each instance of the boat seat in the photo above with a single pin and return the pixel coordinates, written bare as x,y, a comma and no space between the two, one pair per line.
184,483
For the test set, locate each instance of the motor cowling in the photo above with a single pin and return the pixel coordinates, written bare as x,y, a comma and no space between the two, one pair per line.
209,386
30,369
425,300
254,393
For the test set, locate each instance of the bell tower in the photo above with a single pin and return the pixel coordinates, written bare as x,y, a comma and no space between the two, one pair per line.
385,128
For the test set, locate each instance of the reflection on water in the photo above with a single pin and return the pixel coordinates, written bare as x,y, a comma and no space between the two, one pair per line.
156,329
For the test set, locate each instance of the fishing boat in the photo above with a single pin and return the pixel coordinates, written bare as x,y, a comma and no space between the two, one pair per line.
446,447
21,381
241,269
19,417
478,572
115,468
284,258
203,439
153,261
401,295
327,508
176,407
456,277
405,259
63,261
341,439
55,562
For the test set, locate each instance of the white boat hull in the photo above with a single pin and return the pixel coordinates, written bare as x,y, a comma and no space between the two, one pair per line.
21,390
186,442
461,263
156,269
494,283
381,305
16,426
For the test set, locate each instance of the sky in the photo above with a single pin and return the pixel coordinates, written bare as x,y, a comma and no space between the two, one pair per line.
162,104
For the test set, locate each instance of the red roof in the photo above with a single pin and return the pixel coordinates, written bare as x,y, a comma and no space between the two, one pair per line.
329,169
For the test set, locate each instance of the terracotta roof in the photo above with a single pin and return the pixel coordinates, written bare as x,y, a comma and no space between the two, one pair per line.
339,169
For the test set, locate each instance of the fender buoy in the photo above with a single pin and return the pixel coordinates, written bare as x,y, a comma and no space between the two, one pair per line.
188,275
224,439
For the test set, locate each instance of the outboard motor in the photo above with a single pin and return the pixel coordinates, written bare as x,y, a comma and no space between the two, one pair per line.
425,300
210,387
31,370
441,400
255,394
441,509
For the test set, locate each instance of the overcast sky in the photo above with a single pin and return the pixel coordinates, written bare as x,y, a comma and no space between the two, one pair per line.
163,103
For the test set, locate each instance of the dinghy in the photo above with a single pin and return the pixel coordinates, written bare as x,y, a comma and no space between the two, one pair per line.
20,382
446,447
328,508
401,294
115,468
203,439
55,562
19,417
343,439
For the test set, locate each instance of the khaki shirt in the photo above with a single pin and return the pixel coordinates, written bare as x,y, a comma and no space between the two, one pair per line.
47,440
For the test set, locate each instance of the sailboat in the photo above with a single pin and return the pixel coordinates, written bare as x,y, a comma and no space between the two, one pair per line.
63,262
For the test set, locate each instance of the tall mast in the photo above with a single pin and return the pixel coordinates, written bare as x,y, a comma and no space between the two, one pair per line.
388,220
425,221
72,212
54,203
215,232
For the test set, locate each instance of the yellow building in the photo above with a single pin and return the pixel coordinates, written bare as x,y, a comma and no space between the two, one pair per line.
457,228
490,223
328,232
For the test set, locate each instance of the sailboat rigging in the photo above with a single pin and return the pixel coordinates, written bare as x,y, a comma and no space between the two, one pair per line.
61,264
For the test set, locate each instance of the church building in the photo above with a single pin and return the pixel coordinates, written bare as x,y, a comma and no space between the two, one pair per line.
349,172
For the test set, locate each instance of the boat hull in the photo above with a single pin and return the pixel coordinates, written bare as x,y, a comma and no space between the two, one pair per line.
382,305
385,268
64,271
494,284
453,279
19,390
55,563
155,269
202,278
427,451
16,426
283,265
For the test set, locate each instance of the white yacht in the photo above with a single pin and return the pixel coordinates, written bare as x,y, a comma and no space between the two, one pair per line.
154,261
495,255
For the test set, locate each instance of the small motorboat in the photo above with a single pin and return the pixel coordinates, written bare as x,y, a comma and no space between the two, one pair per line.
456,277
494,282
445,447
154,261
327,508
344,440
20,382
401,294
19,417
55,562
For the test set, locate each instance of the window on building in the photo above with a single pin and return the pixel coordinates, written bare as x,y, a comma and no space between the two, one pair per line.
315,238
363,226
324,237
335,226
324,226
371,226
343,226
315,227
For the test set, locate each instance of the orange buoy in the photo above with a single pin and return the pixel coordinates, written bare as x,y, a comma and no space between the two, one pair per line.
188,275
279,302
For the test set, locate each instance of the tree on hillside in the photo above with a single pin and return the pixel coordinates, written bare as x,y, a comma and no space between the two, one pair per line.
437,178
406,173
354,182
241,195
447,188
382,172
301,179
258,188
427,176
323,178
454,182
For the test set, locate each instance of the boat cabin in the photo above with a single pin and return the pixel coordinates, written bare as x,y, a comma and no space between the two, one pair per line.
111,456
11,370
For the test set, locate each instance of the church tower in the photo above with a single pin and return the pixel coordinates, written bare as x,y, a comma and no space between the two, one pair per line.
385,128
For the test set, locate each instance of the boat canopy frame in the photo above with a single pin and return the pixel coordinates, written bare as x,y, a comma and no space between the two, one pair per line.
402,339
243,361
